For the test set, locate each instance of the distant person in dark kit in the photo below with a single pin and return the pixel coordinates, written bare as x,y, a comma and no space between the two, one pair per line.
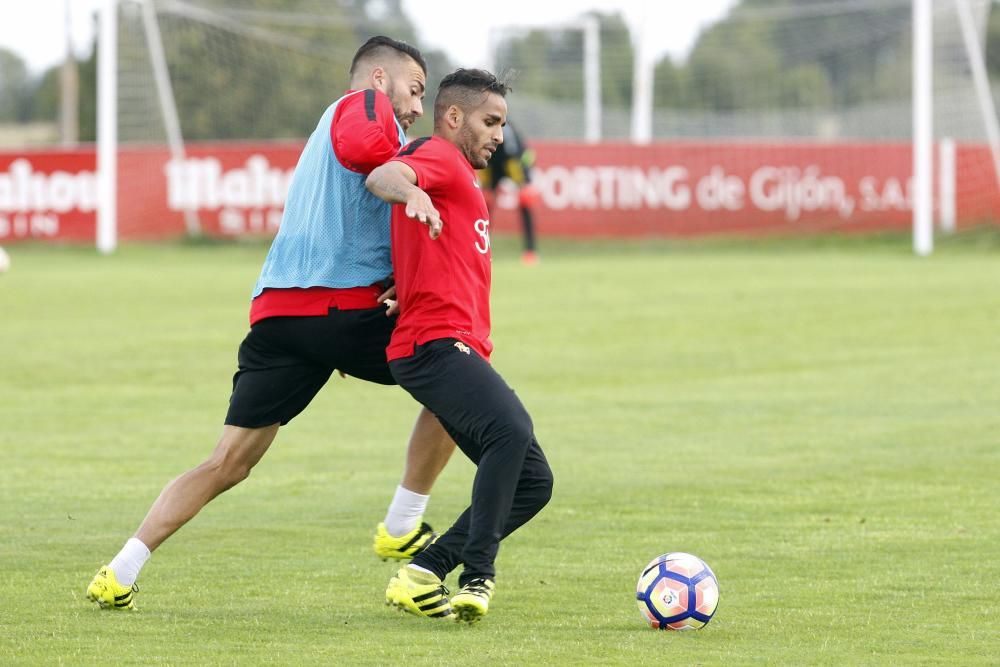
512,163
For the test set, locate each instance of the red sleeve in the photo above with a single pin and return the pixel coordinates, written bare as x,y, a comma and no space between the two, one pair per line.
363,131
434,168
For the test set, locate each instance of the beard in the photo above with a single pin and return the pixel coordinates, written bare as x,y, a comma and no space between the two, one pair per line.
477,161
405,119
468,143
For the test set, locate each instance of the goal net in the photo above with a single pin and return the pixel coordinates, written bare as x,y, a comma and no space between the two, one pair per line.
782,108
215,100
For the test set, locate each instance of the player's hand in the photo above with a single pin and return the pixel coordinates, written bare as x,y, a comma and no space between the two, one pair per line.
420,208
388,298
387,295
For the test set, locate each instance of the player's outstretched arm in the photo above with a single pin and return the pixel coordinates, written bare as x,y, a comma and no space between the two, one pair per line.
396,183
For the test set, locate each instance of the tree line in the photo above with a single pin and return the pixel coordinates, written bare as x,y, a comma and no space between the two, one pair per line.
270,78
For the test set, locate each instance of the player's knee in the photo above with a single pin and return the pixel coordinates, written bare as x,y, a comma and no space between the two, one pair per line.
236,454
227,473
543,486
237,472
228,468
516,430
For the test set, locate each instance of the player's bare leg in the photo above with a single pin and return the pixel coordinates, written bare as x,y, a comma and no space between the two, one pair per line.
238,451
427,454
404,534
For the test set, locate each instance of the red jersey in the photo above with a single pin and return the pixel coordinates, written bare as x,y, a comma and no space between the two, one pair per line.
443,284
363,134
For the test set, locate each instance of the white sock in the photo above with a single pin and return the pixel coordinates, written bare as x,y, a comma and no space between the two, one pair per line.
417,568
405,511
129,561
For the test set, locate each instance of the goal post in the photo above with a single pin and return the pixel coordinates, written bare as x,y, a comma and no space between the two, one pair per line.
923,128
925,13
107,128
165,96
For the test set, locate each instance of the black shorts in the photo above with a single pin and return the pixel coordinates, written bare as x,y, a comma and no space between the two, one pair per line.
285,361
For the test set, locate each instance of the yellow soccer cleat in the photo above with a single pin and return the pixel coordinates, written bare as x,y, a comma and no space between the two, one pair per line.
405,547
419,593
105,590
472,601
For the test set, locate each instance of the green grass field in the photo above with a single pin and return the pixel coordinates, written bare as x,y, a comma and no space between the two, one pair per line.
817,420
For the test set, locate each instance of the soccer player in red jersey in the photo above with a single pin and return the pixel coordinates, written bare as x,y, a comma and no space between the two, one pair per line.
440,349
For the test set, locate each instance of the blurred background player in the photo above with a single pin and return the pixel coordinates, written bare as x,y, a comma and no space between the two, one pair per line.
317,307
441,347
510,167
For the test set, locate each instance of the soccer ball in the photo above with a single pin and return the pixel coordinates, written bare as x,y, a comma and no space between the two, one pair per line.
4,260
677,591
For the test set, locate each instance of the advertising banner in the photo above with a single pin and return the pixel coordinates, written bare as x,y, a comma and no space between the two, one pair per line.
671,188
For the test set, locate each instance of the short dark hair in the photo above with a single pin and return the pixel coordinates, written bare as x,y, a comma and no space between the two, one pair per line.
463,86
380,45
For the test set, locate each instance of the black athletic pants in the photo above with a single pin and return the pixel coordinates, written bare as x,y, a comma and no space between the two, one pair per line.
485,418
